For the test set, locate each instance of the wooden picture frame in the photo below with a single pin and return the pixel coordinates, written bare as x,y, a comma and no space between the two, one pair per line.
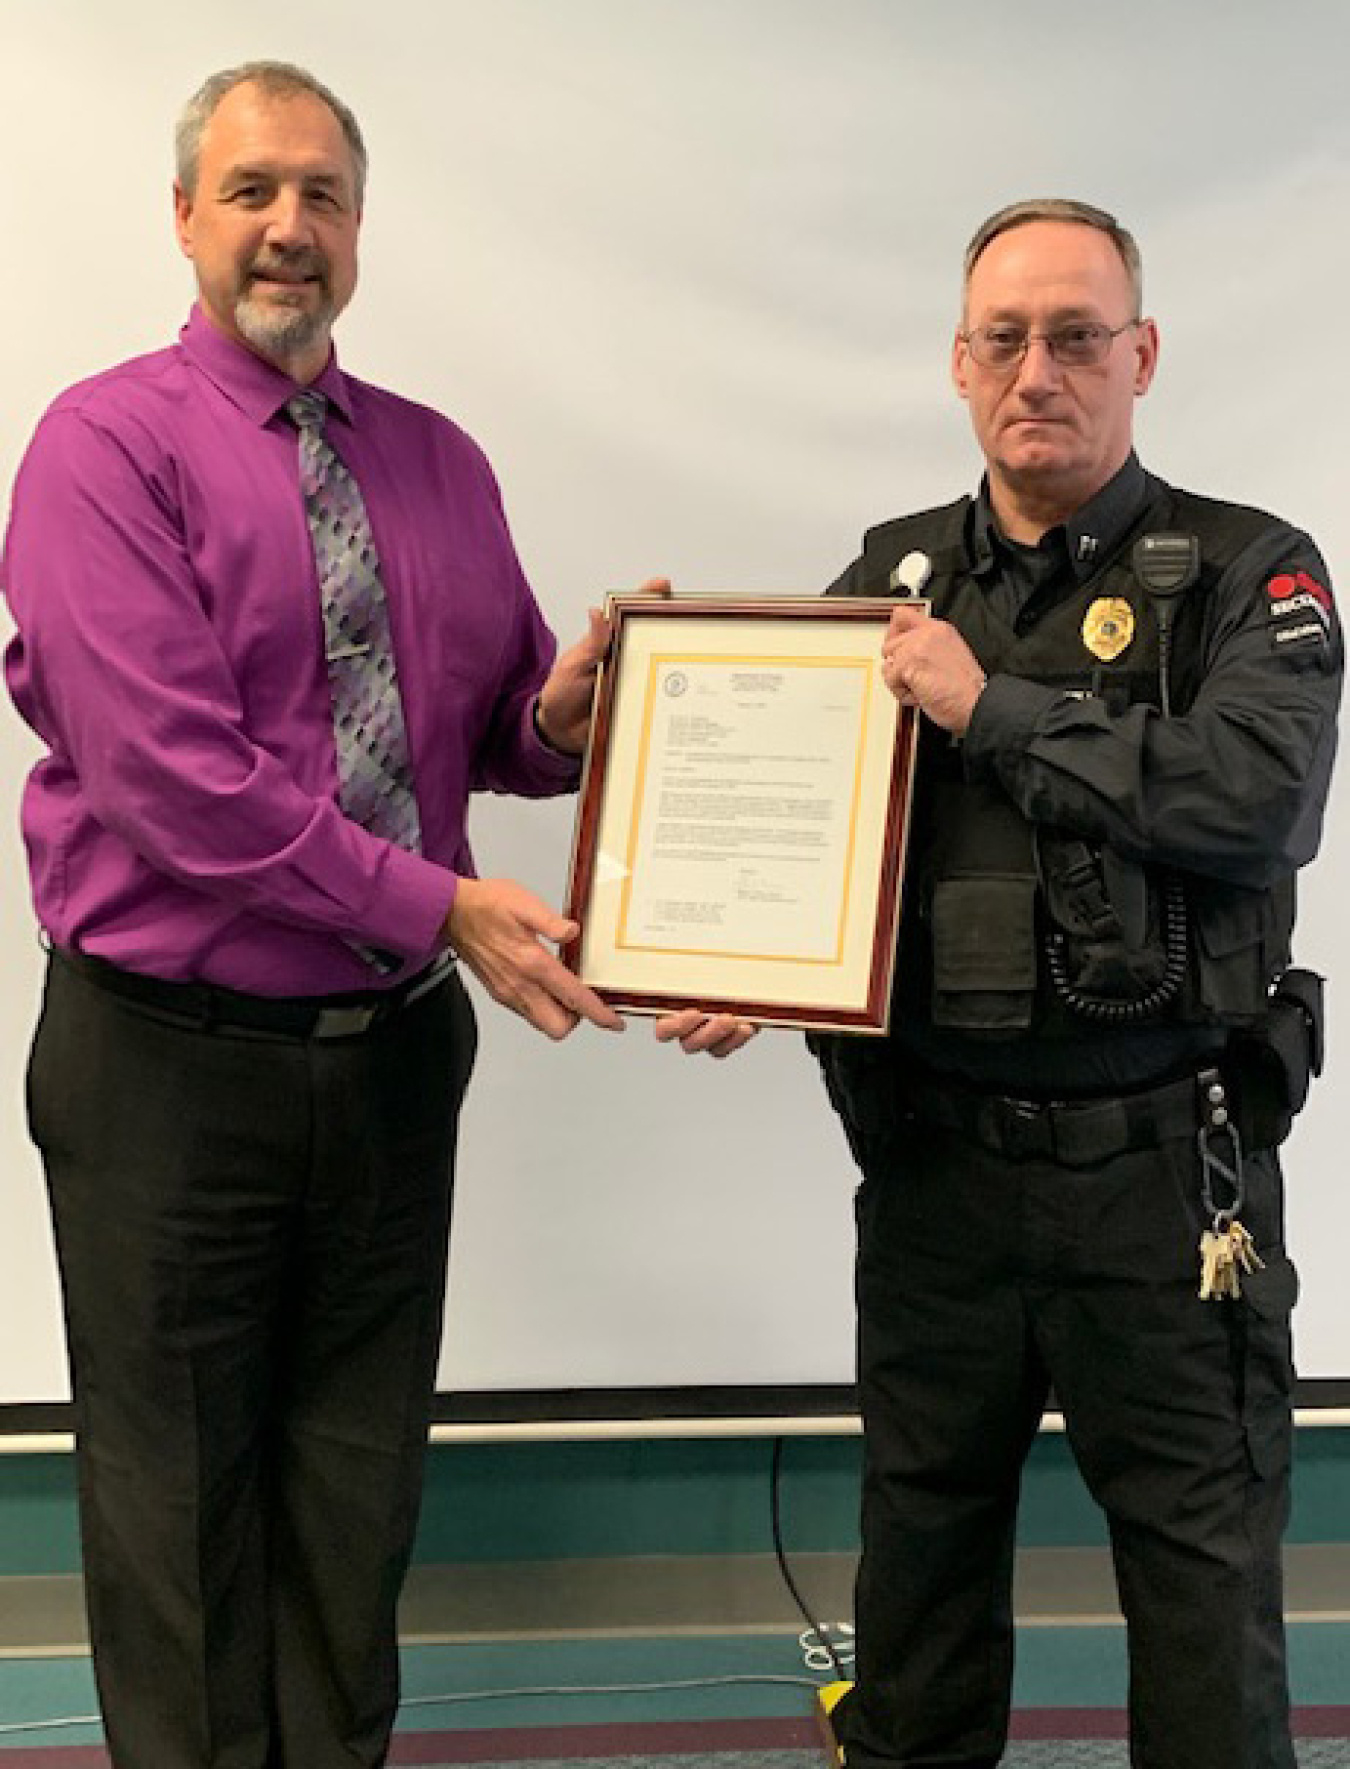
744,808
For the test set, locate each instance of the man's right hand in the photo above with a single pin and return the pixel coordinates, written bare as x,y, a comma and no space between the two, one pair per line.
498,928
926,663
718,1034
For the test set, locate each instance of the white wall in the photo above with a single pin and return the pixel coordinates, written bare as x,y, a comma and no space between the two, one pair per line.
688,269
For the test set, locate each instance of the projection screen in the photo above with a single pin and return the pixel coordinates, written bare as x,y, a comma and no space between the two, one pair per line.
688,270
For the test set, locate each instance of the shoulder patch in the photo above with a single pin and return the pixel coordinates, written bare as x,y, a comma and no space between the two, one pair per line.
1299,608
1297,583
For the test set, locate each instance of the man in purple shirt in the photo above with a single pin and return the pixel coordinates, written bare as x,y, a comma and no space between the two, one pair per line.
254,1043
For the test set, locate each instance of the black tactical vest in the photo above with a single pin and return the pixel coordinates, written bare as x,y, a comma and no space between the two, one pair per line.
1010,930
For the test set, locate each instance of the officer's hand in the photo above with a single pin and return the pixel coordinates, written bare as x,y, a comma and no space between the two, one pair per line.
926,663
719,1034
565,699
498,929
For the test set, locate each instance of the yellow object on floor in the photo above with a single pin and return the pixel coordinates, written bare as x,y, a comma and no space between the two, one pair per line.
828,1698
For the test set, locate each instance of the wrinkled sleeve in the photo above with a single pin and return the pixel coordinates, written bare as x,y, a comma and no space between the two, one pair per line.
1234,788
513,757
118,669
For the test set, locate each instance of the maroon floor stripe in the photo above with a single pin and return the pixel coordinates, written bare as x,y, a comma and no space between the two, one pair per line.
57,1756
1322,1722
1029,1724
657,1738
643,1738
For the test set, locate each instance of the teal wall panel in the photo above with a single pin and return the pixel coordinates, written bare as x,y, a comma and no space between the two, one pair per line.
539,1501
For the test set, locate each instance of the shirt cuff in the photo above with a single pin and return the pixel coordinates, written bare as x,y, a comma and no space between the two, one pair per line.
409,906
1006,718
559,765
543,735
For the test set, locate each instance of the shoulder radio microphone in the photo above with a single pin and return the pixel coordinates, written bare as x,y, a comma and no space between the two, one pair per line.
911,575
1165,566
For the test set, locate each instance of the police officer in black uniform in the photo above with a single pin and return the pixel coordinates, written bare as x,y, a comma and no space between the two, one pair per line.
1129,698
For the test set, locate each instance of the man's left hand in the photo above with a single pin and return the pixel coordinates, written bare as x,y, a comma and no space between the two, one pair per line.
564,710
926,663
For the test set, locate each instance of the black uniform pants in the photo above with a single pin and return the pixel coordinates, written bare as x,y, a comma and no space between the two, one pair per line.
982,1279
252,1240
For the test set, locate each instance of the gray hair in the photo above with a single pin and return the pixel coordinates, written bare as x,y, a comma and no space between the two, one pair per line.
1061,209
278,79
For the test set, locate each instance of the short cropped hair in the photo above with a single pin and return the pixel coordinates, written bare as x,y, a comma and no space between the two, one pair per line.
278,79
1061,209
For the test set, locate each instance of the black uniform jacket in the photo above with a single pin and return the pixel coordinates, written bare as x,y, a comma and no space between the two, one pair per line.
1219,782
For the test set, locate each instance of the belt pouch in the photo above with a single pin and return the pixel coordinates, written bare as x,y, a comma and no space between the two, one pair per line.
1274,1063
984,952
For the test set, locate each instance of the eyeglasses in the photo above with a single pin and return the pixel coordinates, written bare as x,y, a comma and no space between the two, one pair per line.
1080,346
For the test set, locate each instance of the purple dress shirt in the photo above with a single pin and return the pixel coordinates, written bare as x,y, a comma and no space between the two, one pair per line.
169,654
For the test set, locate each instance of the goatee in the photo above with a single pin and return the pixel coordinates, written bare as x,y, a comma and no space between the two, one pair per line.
274,327
281,332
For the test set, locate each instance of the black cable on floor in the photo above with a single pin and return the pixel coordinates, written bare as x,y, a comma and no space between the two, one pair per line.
775,1514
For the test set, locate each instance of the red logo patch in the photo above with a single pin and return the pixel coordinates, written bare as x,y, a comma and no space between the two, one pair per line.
1298,583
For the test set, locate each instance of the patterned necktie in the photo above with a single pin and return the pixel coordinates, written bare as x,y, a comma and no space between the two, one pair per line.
375,787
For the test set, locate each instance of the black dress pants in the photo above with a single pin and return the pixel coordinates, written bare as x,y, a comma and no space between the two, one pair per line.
982,1280
252,1239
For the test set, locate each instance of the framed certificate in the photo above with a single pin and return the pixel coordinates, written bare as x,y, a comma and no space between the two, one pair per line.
740,837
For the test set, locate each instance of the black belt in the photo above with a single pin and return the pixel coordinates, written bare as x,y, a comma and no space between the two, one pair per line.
205,1006
1075,1133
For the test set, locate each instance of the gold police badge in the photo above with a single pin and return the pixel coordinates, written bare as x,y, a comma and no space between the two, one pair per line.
1108,627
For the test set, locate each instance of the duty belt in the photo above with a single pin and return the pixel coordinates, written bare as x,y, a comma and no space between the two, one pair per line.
1075,1133
206,1007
